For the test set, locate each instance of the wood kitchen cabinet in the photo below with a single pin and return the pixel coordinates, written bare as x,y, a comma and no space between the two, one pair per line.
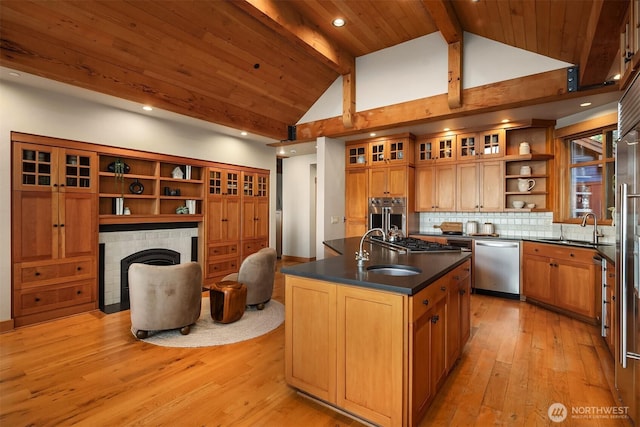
630,43
610,324
480,186
379,355
563,277
391,181
255,212
222,223
436,188
480,145
356,197
328,353
55,229
391,150
440,148
357,155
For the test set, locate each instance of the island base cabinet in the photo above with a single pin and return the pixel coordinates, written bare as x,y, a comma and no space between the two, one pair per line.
345,346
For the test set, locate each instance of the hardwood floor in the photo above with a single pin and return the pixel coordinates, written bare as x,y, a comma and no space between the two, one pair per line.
89,370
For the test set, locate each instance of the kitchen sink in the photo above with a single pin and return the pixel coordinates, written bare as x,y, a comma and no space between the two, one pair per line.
569,242
394,270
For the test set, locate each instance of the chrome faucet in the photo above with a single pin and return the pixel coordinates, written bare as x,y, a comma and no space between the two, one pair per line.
595,225
363,255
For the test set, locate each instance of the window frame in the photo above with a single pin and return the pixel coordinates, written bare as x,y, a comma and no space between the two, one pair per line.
563,138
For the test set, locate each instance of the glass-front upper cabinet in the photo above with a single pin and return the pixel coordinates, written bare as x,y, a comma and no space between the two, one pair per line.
46,168
591,173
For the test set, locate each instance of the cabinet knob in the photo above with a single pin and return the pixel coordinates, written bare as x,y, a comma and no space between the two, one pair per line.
435,319
55,225
55,185
37,273
61,185
61,225
79,268
456,277
463,291
78,292
571,254
425,301
37,299
443,288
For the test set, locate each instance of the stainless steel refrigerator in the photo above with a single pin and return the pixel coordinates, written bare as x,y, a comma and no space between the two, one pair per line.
627,370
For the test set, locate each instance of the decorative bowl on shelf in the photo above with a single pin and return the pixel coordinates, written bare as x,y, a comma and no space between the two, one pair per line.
531,205
518,204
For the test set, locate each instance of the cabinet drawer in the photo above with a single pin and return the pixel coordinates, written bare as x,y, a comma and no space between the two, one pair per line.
222,250
222,267
56,271
44,298
461,272
427,298
252,246
559,252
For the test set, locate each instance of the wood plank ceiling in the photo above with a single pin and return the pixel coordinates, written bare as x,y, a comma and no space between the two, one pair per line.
259,65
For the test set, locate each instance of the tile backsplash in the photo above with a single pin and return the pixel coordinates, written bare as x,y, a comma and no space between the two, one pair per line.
525,225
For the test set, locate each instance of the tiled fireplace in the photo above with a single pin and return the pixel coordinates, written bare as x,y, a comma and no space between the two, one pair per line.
118,243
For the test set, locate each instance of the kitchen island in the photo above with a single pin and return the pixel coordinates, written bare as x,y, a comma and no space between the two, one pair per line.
376,346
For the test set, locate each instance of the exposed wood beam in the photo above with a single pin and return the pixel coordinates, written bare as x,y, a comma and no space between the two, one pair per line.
287,22
455,75
535,89
348,98
445,18
603,31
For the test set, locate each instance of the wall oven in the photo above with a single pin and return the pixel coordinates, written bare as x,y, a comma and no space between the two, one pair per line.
386,212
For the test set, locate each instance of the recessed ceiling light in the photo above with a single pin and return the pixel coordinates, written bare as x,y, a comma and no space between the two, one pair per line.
616,77
372,134
147,108
14,74
446,129
281,150
585,104
505,120
243,133
338,22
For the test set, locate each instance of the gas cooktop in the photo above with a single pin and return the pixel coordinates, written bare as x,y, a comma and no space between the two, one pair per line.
414,245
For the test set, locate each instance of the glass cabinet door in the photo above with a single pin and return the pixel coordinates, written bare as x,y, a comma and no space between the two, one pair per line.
36,167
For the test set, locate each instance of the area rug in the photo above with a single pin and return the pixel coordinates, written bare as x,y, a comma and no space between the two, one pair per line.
206,333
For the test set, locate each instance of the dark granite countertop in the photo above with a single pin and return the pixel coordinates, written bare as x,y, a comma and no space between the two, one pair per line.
608,250
343,268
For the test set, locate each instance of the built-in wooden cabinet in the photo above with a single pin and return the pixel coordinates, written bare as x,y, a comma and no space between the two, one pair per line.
440,148
536,166
435,188
222,222
255,212
609,321
375,354
391,150
153,190
54,229
356,196
357,155
563,277
480,186
329,333
630,43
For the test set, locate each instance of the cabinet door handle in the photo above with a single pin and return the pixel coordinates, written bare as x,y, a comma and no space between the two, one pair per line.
78,292
79,268
61,225
61,185
37,299
37,273
55,185
463,291
571,254
443,288
435,319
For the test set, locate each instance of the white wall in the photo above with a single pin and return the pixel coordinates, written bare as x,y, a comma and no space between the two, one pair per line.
418,69
32,110
331,187
298,175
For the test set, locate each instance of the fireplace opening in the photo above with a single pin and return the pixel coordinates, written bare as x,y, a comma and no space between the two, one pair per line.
157,256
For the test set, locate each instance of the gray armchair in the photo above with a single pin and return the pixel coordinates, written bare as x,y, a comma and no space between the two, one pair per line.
164,297
257,272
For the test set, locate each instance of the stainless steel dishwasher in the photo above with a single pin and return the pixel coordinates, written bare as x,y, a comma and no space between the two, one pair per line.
496,265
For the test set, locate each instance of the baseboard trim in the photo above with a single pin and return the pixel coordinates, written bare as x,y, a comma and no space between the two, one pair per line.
6,326
297,258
